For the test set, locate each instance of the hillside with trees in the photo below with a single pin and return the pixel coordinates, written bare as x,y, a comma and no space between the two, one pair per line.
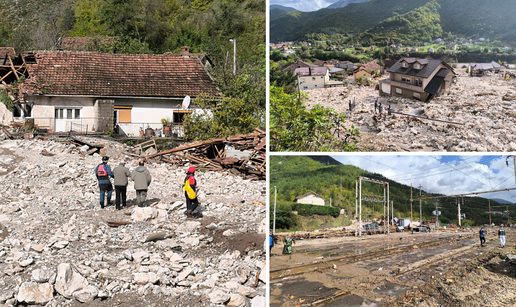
402,20
296,175
159,26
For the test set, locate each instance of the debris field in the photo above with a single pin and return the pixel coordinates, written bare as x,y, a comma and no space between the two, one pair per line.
483,107
58,248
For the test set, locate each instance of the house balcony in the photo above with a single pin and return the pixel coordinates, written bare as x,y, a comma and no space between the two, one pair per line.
415,88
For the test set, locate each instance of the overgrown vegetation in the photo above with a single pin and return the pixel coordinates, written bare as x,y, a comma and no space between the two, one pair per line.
294,128
308,210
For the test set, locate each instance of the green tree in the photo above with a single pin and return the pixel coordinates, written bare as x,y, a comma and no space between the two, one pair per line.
294,128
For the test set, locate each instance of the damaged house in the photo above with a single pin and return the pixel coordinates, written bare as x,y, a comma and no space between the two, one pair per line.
417,78
86,91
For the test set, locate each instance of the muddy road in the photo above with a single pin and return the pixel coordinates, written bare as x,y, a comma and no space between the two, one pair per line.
375,270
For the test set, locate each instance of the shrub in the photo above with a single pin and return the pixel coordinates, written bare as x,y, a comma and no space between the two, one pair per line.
308,210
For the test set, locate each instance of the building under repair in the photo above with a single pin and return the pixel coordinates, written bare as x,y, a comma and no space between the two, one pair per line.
87,91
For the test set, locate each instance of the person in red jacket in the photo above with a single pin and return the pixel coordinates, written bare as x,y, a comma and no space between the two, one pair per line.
191,204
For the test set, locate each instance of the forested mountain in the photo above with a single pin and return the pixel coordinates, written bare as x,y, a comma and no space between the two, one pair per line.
281,7
343,3
383,18
296,175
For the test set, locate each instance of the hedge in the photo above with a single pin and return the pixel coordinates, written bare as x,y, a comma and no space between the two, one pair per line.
307,210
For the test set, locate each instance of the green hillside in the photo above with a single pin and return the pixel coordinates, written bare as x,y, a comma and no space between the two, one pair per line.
399,21
421,24
296,175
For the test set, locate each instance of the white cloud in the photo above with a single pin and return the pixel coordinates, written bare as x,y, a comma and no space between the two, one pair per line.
305,6
465,174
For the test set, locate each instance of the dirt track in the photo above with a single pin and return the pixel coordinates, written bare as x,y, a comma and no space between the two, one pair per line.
396,270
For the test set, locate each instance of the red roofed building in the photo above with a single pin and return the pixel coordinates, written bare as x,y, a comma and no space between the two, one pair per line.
85,91
368,70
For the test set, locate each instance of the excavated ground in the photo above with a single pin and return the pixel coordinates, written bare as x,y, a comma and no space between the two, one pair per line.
395,270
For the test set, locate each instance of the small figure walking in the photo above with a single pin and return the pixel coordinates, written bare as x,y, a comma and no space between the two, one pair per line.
142,179
482,233
288,241
501,235
191,203
103,172
121,175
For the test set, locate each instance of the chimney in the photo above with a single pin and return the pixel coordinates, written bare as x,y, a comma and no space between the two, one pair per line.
185,50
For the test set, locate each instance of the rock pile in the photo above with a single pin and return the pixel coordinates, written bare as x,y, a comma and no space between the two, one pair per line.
61,251
485,105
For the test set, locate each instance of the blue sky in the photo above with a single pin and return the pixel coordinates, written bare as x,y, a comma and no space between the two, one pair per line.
304,5
445,174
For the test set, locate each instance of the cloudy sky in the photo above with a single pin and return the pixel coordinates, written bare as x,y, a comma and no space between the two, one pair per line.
448,175
304,5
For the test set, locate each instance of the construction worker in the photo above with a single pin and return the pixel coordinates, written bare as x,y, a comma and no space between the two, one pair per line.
501,235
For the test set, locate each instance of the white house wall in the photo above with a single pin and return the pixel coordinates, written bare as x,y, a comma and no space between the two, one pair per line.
6,116
311,200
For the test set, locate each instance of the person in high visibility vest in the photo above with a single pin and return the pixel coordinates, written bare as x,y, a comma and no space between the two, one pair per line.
501,235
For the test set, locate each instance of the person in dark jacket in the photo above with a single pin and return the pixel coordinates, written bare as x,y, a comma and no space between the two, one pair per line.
191,204
501,235
482,234
103,172
121,175
142,179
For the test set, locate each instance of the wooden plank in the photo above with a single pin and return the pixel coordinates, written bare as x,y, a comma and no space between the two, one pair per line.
14,70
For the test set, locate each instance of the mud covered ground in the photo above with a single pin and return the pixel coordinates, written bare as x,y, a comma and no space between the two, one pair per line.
395,270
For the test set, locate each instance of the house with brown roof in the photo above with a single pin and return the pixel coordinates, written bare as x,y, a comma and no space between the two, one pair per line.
84,91
5,53
367,70
417,78
297,64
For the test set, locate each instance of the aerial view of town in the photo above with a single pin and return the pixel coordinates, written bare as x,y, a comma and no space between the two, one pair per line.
393,76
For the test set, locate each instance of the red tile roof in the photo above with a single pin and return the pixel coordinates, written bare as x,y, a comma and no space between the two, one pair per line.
96,74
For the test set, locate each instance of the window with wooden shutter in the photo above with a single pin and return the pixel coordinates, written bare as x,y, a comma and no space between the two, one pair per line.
124,113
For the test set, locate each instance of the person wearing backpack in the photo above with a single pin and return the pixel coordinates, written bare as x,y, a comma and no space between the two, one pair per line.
121,174
142,179
103,172
191,203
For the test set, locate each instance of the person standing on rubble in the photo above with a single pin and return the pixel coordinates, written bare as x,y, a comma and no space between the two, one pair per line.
103,172
501,235
191,204
142,179
121,175
287,247
482,234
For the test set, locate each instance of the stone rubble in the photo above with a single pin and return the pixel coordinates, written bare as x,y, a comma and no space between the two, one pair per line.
485,105
60,250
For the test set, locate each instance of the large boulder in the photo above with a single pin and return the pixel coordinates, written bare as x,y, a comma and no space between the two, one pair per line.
68,281
144,214
34,293
86,295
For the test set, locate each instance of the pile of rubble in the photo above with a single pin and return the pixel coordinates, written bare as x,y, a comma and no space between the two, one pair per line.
484,109
60,248
213,154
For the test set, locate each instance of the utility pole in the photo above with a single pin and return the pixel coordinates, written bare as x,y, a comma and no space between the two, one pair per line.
234,55
420,211
458,206
489,213
436,214
513,163
411,201
274,219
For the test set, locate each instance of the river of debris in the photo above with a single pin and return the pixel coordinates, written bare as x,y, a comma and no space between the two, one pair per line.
58,250
483,107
